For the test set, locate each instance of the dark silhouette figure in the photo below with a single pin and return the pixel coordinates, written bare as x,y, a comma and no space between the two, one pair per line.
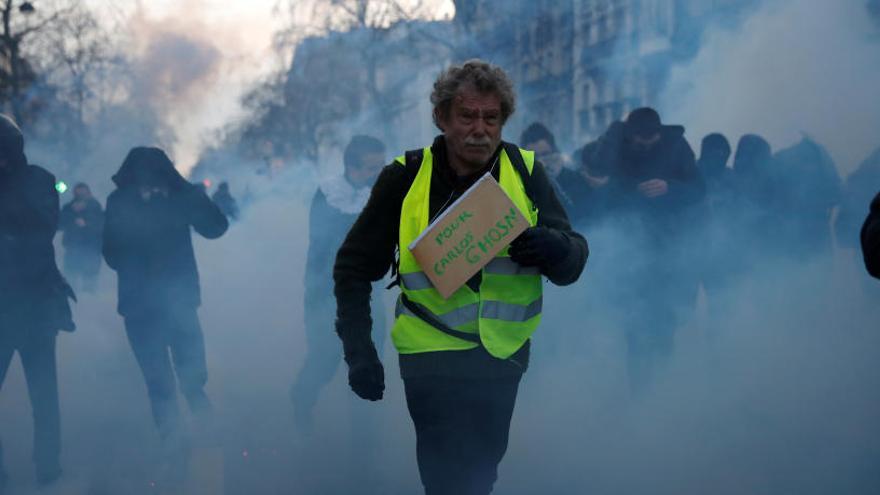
654,190
719,212
870,238
224,200
148,242
571,188
714,153
82,227
757,203
810,188
33,295
334,209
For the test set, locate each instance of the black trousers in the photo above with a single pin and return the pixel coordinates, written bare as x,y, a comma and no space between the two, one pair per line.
37,353
462,427
166,344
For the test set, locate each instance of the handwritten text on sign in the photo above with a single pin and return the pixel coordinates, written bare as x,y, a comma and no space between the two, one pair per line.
468,235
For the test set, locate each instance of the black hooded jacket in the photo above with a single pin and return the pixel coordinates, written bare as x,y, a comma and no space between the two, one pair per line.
871,239
29,208
149,243
673,161
28,220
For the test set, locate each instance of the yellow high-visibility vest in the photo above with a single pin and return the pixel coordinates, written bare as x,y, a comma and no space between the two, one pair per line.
503,313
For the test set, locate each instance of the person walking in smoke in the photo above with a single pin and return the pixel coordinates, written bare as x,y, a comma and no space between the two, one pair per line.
757,203
718,213
33,305
810,188
870,237
148,242
460,380
334,209
655,189
82,226
570,187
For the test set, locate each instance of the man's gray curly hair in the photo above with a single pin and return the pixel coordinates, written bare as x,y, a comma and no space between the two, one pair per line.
483,76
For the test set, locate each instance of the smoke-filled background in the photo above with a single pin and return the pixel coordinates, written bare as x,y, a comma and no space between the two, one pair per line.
774,386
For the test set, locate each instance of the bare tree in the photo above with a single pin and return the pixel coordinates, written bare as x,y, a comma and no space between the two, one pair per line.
22,22
79,60
345,80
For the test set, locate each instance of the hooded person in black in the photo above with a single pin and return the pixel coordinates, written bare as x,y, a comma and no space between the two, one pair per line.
148,242
870,237
82,227
718,212
33,295
810,188
654,190
757,202
714,154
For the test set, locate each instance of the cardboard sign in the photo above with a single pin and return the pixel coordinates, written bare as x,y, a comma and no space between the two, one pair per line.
462,240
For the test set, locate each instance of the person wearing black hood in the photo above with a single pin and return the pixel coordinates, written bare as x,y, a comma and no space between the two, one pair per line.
715,151
870,237
757,201
654,190
808,199
148,242
82,226
33,295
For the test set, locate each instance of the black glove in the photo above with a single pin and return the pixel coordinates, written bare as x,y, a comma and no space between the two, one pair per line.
366,376
539,246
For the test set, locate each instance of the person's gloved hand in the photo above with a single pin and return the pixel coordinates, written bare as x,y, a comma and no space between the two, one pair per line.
539,246
366,376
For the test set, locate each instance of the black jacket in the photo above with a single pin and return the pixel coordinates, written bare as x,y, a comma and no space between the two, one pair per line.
28,221
87,237
149,243
368,252
327,229
871,239
672,161
809,188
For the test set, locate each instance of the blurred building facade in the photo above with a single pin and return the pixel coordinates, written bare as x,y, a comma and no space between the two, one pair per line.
581,64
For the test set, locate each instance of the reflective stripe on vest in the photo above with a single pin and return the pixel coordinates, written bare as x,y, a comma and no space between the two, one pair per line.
504,312
498,266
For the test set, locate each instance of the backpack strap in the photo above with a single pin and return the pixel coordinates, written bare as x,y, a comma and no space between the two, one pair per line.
516,159
412,160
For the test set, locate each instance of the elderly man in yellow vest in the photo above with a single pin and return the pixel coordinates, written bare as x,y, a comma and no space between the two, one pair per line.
461,358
